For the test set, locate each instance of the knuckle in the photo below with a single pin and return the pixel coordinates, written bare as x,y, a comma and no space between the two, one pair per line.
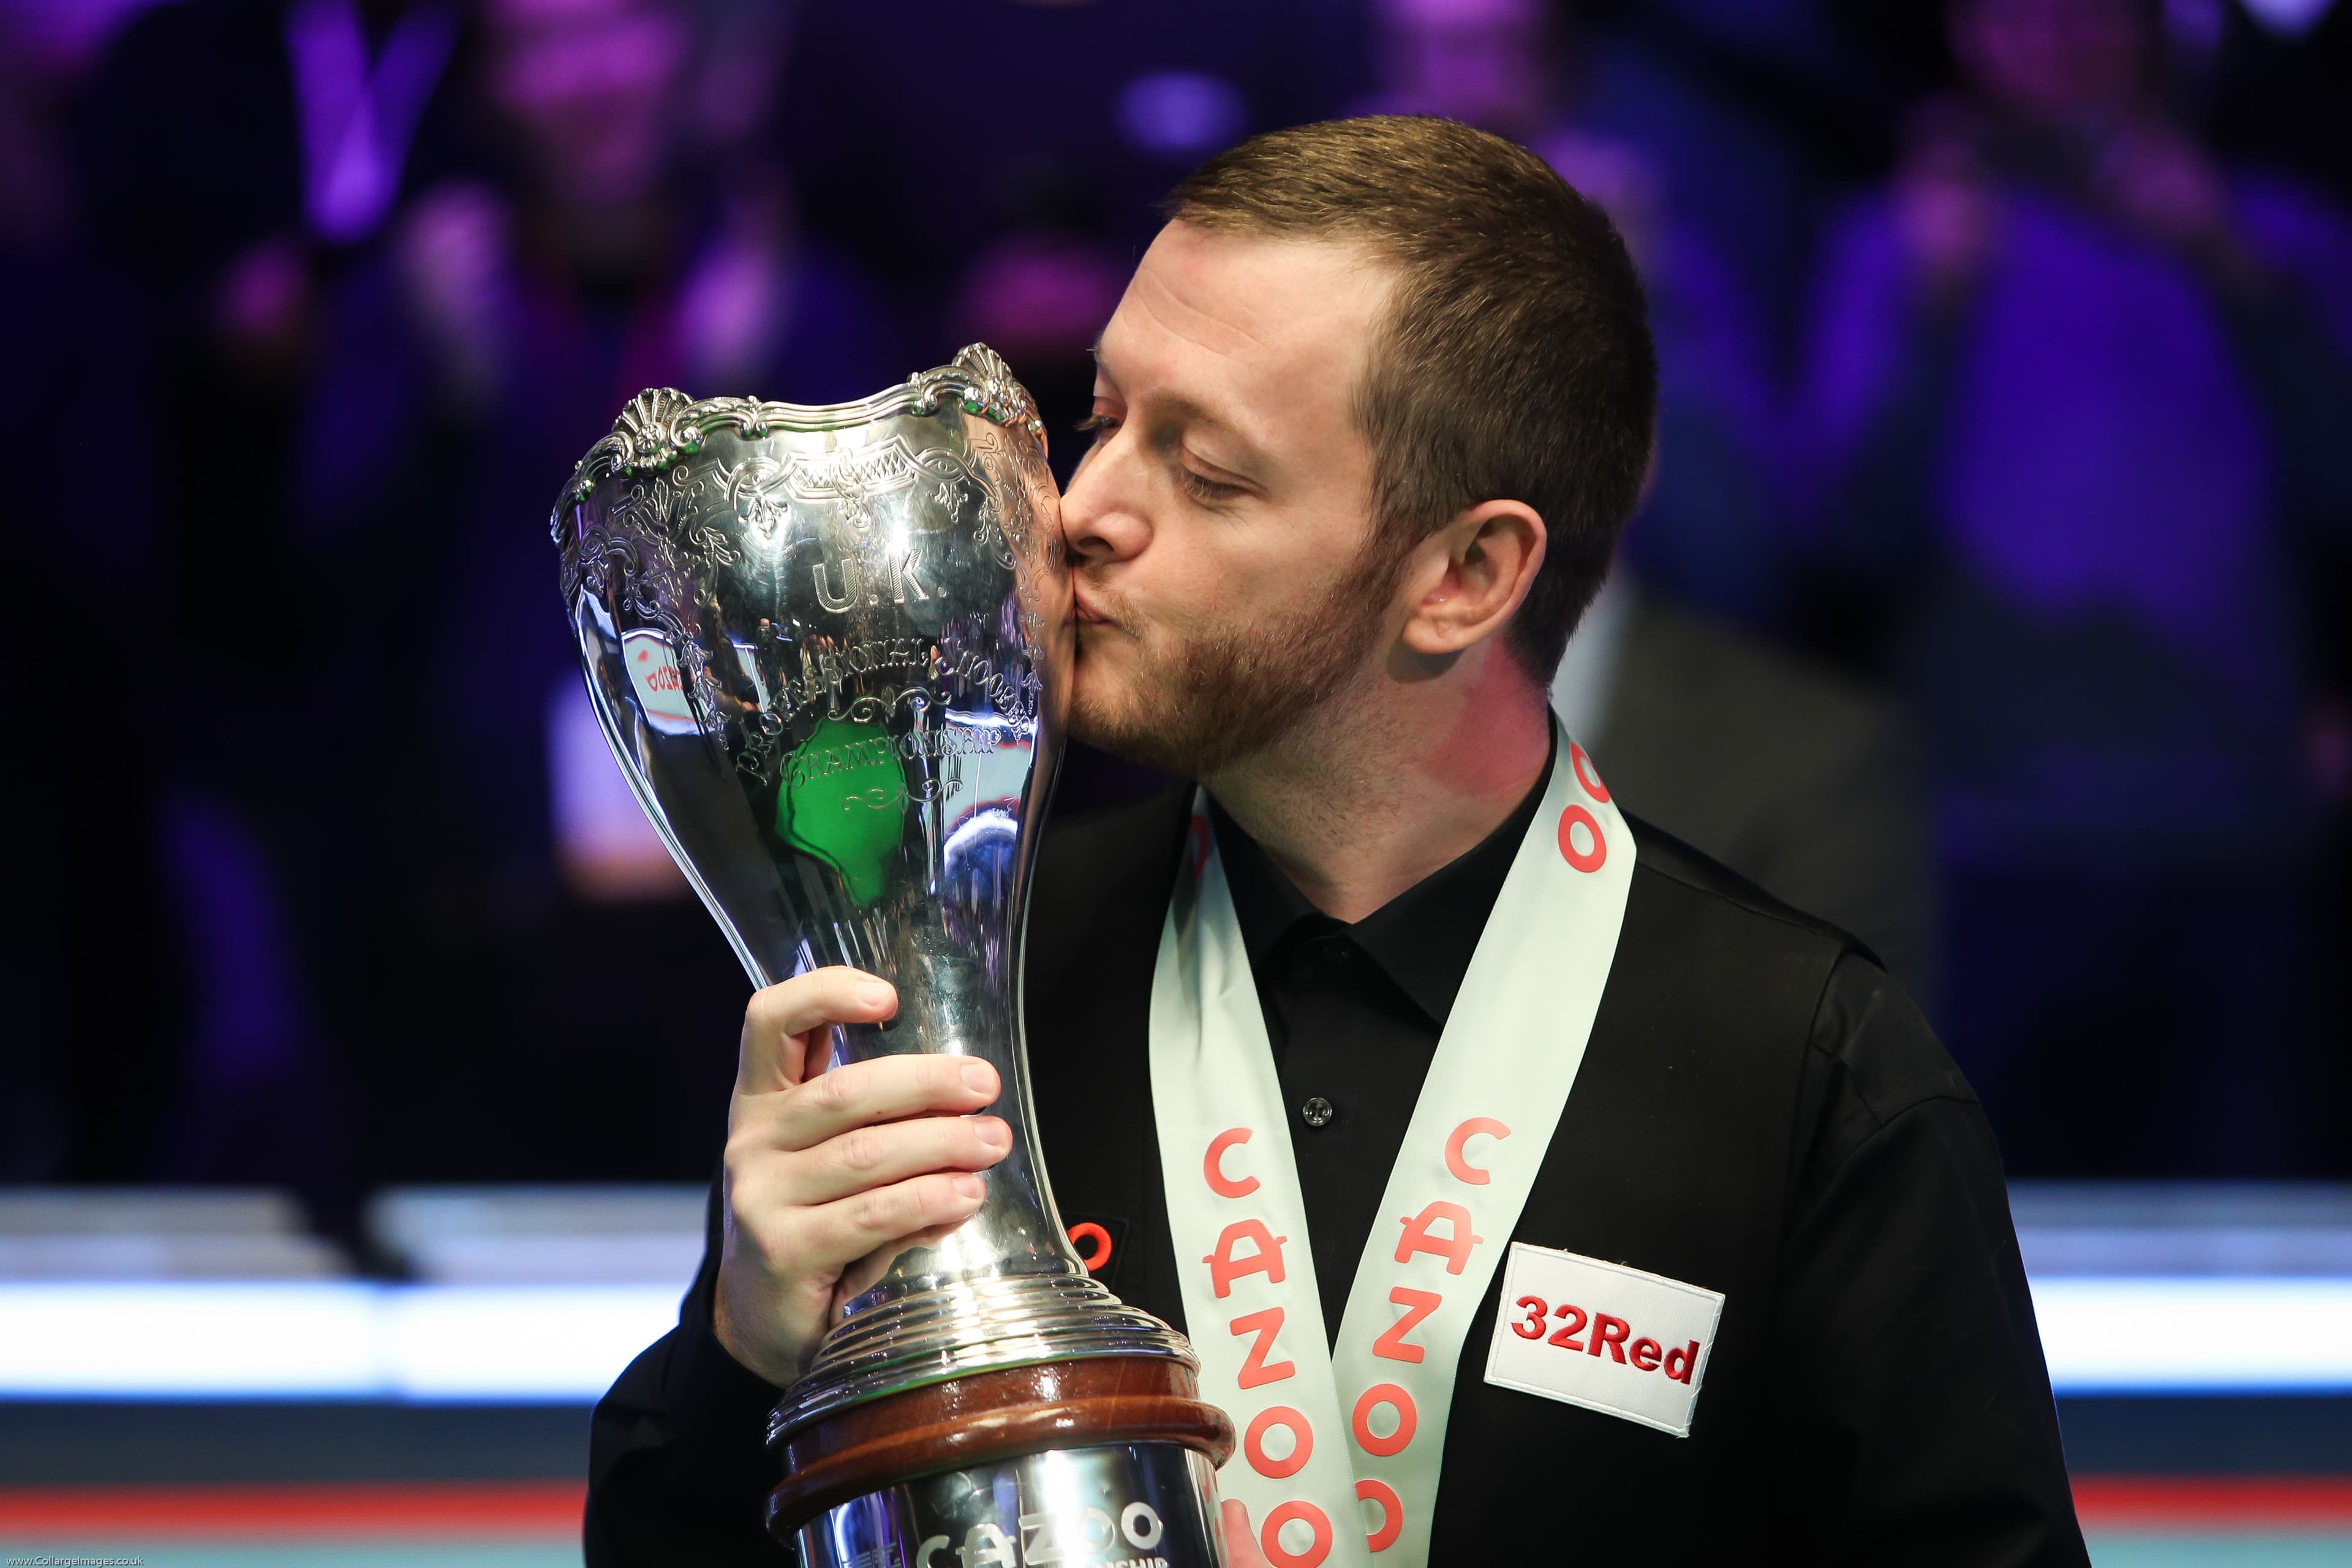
860,1151
780,1246
882,1212
745,1169
832,1092
754,1222
751,1191
766,1010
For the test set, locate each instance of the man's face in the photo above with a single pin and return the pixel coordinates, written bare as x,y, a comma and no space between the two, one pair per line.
1219,528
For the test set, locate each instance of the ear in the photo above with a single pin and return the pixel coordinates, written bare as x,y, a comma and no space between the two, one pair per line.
1467,580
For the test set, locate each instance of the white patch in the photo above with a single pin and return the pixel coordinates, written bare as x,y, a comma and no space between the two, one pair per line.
1601,1335
660,683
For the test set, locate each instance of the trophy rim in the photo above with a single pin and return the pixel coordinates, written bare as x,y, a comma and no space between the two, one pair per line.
662,425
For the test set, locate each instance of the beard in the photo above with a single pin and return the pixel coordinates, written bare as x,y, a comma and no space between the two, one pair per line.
1196,704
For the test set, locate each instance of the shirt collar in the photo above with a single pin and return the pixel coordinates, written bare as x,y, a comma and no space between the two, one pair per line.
1422,939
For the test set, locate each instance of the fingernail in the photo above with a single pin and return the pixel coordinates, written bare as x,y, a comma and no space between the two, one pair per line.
873,994
968,1185
995,1133
980,1076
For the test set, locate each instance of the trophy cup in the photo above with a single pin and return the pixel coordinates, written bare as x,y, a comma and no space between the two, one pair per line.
829,646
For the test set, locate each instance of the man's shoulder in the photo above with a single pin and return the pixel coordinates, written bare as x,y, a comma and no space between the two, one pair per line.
1685,885
1793,986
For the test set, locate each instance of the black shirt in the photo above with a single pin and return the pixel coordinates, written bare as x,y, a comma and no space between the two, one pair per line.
1760,1111
1354,1013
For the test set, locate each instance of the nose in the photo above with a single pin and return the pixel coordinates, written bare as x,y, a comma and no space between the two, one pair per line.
1102,517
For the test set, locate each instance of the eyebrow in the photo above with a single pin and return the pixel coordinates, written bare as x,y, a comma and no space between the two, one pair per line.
1192,411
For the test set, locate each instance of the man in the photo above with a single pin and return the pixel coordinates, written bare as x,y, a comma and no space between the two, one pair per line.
1719,1269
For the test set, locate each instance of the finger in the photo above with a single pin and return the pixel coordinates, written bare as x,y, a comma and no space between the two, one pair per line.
1240,1546
868,1157
886,1089
833,1236
779,1020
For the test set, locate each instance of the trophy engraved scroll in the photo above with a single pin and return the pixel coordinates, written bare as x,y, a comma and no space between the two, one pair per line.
829,646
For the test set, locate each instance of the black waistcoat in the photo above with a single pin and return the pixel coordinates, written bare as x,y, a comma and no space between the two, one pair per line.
1760,1111
1673,1155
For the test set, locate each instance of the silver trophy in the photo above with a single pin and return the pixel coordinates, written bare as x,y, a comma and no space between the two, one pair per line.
830,647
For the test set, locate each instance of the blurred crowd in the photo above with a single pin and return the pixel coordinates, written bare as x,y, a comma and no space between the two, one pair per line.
1990,596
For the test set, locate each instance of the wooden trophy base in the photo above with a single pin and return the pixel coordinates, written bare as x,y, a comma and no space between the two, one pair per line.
970,1422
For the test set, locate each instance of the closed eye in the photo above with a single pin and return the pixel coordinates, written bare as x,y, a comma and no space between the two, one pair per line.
1203,490
1207,491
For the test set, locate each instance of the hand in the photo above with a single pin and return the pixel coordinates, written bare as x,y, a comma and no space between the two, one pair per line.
1240,1546
832,1174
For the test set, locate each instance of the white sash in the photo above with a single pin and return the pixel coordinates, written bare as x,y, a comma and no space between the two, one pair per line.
1323,1435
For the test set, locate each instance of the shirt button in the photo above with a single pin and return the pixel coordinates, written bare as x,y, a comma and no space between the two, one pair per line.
1317,1112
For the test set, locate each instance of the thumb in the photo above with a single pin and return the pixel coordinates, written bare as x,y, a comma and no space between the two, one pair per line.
1240,1546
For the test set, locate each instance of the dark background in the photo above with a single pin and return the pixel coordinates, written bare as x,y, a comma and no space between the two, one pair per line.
306,310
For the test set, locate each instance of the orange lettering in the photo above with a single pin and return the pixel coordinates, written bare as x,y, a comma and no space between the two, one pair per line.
1454,1247
1224,1187
1417,1305
1392,1512
1464,1171
1408,1419
1254,1367
1302,1442
1264,1256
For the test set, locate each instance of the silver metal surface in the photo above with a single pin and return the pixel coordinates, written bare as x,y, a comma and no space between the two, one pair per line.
1144,1505
830,648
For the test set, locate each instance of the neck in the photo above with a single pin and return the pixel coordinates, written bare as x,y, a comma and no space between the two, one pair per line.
1392,780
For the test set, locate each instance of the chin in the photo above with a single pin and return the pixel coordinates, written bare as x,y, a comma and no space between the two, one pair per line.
1100,710
1107,714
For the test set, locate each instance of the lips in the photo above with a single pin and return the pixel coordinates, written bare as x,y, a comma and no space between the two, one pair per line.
1088,613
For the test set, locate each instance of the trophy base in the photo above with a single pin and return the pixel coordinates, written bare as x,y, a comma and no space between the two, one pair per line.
965,1327
1121,1440
1134,1505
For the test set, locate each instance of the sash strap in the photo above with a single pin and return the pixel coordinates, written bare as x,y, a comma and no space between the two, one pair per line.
1341,1451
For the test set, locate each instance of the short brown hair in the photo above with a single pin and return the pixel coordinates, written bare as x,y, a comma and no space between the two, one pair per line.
1515,362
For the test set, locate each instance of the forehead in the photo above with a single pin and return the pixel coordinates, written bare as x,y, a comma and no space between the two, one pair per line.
1243,325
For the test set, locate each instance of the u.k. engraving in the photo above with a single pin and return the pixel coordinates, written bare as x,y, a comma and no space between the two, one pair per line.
905,578
847,597
905,584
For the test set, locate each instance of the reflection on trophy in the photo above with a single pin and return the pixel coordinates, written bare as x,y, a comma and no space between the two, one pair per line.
828,645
